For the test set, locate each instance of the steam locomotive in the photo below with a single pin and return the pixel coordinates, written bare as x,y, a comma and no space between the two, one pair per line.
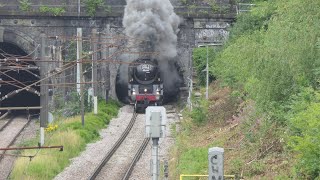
145,86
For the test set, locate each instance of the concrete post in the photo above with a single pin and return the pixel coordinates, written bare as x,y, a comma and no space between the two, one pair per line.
43,90
207,75
79,72
105,65
215,157
79,51
60,65
94,70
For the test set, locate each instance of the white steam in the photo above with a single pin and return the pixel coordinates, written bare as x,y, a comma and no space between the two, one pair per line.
154,21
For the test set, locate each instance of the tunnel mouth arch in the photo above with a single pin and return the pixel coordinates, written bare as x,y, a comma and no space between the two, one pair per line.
17,71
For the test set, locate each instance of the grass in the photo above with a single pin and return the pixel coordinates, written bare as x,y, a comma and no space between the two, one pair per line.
48,163
252,145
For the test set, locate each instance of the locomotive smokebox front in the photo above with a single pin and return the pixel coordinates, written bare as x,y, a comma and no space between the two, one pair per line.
148,80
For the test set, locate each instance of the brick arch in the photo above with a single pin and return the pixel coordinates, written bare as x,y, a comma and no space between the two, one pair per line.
20,39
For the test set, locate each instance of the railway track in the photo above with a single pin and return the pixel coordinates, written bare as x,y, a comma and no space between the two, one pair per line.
127,167
136,158
115,167
11,130
114,148
5,123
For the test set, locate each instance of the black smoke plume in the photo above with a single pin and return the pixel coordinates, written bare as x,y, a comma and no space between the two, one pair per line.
154,21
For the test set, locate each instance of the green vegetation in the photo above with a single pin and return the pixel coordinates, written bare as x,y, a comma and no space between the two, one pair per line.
199,59
93,5
55,11
25,5
70,133
204,7
278,55
271,66
304,126
72,106
197,166
192,8
214,6
199,111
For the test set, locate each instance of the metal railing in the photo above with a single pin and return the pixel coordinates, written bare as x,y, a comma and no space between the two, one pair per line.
244,7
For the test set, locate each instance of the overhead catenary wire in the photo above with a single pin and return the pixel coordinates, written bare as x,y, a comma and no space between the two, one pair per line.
35,91
30,88
82,61
111,37
49,75
68,65
14,55
20,62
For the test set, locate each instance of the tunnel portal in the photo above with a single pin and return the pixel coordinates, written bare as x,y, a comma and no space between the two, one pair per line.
17,70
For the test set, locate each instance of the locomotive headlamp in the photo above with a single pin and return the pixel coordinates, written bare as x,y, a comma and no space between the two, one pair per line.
158,91
133,91
145,90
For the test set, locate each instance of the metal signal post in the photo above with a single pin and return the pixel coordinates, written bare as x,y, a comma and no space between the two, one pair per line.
155,127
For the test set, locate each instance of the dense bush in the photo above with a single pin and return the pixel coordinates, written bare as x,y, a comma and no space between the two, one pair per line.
199,113
304,132
199,57
25,5
93,5
247,23
273,53
273,57
55,11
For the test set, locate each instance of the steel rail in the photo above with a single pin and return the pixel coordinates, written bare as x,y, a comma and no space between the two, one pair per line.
15,137
4,115
136,158
114,148
6,124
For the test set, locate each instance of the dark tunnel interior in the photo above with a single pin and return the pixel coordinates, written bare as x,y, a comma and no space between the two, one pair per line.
13,79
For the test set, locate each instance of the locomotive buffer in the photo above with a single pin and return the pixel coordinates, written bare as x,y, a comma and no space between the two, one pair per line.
156,118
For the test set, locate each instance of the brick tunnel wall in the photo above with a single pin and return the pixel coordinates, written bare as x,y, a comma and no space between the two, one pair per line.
193,31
